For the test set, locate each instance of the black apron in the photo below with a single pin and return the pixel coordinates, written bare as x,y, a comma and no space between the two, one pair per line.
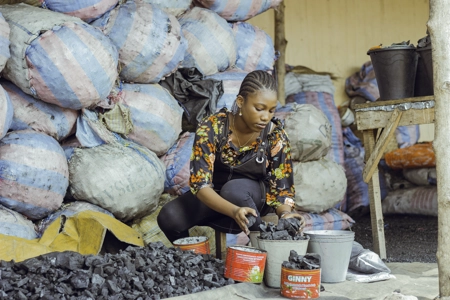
252,166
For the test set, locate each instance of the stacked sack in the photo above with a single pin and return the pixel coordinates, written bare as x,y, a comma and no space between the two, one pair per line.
81,101
64,103
320,182
85,121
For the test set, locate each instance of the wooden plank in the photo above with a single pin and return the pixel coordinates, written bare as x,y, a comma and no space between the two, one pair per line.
393,102
379,119
376,212
381,145
280,46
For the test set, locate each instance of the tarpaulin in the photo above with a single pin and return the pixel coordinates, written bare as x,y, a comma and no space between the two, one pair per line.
84,233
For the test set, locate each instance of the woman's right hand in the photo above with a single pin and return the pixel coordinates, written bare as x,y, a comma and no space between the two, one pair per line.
241,219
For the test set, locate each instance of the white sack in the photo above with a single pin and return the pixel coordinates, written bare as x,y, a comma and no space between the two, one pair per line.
6,112
309,132
319,185
5,54
125,180
420,176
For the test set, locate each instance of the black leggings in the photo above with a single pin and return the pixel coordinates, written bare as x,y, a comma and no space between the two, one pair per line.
186,211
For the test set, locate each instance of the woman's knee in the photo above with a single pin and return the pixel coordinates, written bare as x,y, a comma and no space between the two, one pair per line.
167,218
238,190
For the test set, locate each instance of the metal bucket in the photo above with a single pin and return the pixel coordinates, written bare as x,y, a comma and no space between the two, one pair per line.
334,248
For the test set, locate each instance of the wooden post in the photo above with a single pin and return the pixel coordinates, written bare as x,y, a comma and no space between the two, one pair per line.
438,27
280,45
376,211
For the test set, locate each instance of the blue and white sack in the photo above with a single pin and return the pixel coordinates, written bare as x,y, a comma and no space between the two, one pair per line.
211,44
150,43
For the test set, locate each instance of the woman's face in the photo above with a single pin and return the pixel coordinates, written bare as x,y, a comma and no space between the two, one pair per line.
258,109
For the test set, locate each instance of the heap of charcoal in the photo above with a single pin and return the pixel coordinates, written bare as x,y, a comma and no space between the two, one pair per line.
151,272
309,261
286,229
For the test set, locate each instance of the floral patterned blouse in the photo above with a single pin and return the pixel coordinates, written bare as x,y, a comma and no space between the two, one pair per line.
281,182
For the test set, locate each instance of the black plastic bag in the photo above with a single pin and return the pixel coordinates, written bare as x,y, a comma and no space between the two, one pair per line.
197,96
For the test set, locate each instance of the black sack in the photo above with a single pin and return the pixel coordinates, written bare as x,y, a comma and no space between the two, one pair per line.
197,96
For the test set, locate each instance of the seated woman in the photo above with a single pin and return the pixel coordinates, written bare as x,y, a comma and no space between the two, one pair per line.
240,166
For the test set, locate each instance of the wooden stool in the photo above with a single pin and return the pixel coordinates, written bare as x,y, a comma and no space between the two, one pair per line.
221,243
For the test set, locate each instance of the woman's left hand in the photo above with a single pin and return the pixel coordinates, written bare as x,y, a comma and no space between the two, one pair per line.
295,215
240,216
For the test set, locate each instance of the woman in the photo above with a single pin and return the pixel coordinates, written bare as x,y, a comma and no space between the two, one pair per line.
240,166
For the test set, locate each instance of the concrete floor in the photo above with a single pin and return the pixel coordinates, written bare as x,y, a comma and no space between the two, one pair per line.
412,279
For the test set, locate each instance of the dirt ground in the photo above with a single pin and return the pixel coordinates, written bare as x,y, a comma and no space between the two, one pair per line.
409,238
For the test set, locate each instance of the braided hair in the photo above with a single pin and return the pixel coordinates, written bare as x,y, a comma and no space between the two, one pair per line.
255,81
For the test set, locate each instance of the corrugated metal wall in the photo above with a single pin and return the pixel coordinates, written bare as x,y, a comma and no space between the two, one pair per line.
334,35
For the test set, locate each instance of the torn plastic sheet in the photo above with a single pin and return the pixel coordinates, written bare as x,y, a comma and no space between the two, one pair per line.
362,277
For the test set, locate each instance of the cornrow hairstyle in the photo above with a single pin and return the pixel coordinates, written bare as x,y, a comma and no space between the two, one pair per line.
256,81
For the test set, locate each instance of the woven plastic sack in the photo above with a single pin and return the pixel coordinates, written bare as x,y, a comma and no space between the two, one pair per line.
123,178
32,113
34,173
416,156
68,209
173,7
5,54
156,116
58,58
148,227
319,185
298,82
231,82
69,146
14,224
255,50
420,200
211,44
150,43
313,140
331,219
357,189
6,112
87,10
238,10
325,103
421,176
407,135
177,161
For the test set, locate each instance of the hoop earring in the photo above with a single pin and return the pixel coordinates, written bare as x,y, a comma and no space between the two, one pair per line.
240,112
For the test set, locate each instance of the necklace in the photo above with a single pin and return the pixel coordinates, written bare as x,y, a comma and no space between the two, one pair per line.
237,137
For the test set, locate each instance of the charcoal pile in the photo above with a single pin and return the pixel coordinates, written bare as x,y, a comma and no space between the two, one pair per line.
309,261
286,229
151,272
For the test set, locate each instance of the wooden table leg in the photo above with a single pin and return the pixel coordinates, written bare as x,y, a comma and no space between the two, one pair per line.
376,212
